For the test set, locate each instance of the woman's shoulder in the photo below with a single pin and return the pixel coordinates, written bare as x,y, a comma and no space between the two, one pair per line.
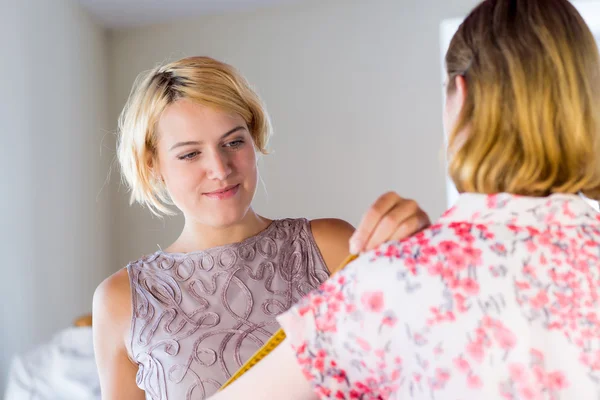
112,308
113,295
332,237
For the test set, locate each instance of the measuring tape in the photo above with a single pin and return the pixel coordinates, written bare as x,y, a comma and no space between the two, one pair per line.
273,342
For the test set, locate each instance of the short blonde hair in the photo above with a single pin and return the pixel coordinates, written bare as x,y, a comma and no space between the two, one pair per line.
201,79
530,124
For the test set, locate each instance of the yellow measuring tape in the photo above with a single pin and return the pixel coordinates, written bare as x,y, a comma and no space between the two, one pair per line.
273,342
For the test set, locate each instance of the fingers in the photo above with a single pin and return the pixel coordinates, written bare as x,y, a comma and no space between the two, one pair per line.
389,224
371,219
410,226
391,217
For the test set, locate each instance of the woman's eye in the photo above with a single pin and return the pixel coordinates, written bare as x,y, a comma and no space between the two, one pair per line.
189,156
234,144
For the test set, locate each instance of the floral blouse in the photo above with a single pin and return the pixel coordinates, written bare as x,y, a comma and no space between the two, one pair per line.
500,299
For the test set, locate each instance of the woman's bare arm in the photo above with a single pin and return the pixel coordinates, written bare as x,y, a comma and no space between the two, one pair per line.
111,324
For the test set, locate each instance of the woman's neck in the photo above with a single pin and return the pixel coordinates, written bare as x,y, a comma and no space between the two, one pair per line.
195,236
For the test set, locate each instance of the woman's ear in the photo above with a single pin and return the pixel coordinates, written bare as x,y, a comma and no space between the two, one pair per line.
460,84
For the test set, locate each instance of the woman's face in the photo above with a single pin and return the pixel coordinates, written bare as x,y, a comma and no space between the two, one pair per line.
207,160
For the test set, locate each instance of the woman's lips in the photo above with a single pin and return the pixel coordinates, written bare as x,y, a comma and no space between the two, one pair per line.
224,193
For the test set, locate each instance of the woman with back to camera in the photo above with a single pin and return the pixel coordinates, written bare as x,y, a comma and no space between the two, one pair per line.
177,323
505,288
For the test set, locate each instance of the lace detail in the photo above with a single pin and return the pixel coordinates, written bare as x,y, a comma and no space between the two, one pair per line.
197,317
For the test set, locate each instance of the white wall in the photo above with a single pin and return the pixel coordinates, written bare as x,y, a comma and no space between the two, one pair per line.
353,88
54,241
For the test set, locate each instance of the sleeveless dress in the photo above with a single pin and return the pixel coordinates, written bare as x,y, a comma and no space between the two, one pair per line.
197,317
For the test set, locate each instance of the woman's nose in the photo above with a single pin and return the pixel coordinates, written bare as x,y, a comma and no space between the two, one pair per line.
219,166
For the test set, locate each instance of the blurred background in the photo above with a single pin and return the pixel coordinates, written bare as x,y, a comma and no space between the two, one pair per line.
353,88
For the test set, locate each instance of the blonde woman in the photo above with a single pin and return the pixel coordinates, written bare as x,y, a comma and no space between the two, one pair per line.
177,323
505,288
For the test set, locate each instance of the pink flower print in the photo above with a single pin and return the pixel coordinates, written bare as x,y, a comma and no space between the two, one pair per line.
529,270
527,392
429,251
326,323
468,238
442,375
329,288
436,269
537,356
302,311
474,382
339,296
531,246
462,365
391,251
470,286
505,338
585,359
505,391
473,255
563,300
517,372
487,322
499,249
545,239
389,321
419,339
540,300
588,334
595,364
447,247
363,344
319,364
540,375
475,351
492,201
373,301
334,307
323,392
456,262
557,380
307,374
462,230
460,302
411,265
522,285
513,228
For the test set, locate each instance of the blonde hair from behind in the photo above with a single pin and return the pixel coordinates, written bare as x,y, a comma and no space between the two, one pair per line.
201,79
530,123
